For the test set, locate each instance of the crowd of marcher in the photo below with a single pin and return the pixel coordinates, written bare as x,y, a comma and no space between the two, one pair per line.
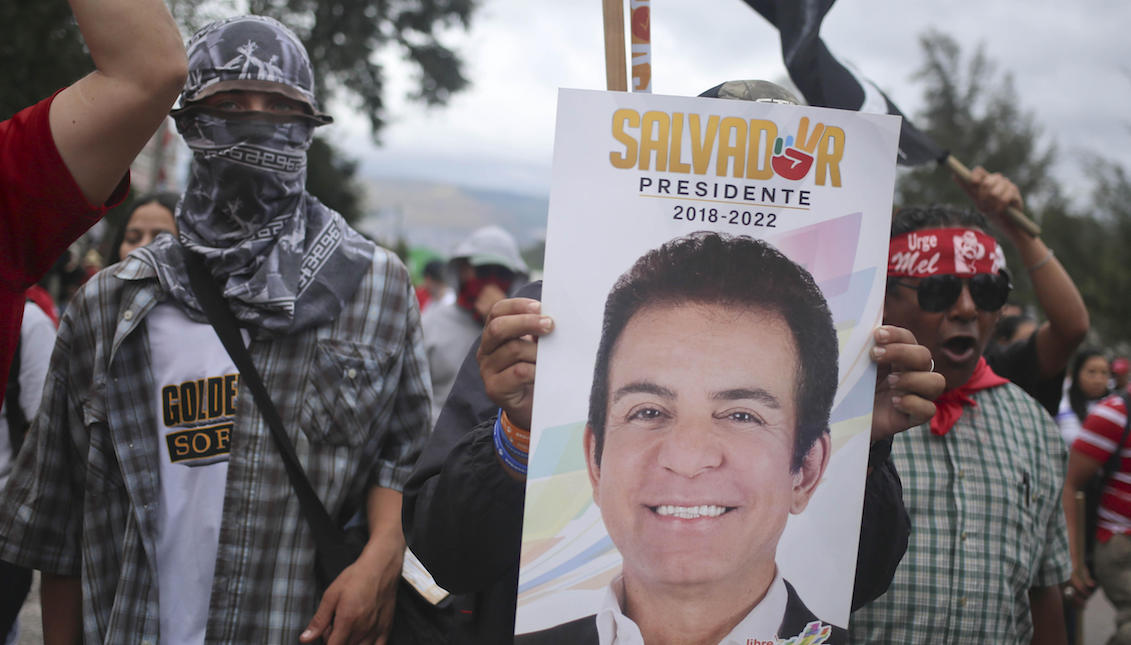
384,429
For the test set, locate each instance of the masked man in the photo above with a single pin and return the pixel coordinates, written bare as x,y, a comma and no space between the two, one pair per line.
150,487
488,267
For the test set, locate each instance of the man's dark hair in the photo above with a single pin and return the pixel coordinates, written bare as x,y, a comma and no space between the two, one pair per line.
735,271
1007,327
914,218
162,198
434,269
1076,398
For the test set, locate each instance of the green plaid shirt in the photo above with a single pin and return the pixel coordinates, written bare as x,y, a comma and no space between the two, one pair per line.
83,495
986,526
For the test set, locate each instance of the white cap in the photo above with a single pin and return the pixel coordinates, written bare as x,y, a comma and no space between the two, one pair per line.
491,245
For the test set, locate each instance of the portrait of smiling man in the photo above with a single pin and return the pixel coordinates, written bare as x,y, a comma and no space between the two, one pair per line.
708,426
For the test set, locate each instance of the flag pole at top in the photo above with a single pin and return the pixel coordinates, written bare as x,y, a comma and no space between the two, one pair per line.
616,78
640,26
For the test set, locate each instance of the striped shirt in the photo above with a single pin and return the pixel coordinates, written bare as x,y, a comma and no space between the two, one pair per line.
986,526
84,493
1103,428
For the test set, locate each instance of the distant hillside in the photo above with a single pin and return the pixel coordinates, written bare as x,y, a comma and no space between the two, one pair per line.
439,216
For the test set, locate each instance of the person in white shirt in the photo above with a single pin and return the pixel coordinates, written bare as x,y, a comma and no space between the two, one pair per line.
1088,385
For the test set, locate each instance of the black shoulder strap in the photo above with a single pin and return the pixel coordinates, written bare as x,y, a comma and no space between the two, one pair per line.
327,534
1112,463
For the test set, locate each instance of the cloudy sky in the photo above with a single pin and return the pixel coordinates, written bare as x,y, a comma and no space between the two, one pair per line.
1071,63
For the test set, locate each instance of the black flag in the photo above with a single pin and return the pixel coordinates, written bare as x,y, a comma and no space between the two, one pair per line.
826,82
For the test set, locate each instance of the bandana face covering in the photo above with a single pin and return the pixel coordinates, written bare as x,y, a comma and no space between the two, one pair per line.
283,260
245,174
470,289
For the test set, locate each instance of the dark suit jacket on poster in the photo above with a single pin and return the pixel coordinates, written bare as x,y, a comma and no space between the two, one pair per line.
583,631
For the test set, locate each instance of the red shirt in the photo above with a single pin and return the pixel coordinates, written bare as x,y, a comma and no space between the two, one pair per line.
42,210
1102,430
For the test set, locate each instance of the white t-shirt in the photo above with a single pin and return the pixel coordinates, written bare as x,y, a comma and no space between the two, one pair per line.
195,385
37,340
1066,420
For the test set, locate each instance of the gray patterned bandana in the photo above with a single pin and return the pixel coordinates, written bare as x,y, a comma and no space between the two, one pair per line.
284,261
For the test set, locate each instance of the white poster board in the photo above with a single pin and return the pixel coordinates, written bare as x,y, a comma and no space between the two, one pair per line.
634,171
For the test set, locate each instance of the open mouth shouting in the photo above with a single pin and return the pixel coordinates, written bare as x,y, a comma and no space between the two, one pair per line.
959,349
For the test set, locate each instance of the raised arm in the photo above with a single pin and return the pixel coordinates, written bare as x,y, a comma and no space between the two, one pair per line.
1064,308
102,121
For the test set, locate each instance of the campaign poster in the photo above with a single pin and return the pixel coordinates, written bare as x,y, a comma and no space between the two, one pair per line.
716,267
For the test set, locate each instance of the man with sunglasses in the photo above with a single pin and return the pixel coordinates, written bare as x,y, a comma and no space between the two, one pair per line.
988,547
488,267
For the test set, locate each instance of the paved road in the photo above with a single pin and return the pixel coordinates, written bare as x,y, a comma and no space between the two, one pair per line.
1099,620
31,618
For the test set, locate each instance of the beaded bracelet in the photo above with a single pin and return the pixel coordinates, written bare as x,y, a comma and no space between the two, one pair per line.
501,448
1042,262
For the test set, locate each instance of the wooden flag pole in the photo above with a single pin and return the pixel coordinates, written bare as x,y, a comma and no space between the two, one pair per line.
1018,217
616,75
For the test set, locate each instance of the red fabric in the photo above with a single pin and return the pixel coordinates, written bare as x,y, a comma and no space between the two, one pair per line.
42,299
943,251
42,210
469,292
1102,429
423,297
950,406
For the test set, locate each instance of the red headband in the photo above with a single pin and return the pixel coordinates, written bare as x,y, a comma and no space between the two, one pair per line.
941,251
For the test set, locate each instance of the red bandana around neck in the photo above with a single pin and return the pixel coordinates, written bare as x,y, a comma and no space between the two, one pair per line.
952,403
941,251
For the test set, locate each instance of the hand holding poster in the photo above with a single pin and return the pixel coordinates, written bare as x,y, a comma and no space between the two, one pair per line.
702,409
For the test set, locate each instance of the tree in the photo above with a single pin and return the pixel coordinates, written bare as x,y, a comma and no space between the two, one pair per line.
1093,247
42,52
343,36
973,111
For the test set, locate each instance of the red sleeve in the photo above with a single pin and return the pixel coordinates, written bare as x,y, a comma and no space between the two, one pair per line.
1102,429
42,209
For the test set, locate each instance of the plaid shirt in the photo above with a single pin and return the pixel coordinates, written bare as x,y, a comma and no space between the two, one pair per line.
83,496
987,526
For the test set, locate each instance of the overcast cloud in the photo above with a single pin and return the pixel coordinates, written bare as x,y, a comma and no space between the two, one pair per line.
1071,63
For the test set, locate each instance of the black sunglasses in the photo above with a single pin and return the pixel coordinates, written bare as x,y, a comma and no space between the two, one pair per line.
938,293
